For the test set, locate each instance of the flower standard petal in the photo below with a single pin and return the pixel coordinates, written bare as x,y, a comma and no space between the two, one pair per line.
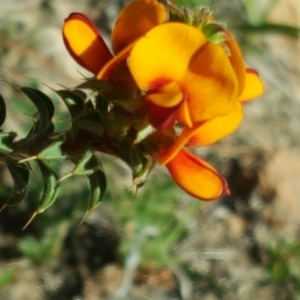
135,20
84,43
196,176
210,84
163,55
205,134
253,86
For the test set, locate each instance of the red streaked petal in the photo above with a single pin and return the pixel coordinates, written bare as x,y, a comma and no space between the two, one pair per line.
84,43
162,118
196,177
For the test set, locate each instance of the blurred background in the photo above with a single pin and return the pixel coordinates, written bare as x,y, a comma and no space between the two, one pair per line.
159,243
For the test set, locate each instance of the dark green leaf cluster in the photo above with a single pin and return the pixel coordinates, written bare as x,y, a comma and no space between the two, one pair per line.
43,146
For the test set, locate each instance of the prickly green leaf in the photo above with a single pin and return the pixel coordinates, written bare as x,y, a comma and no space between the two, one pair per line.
102,104
51,187
2,111
6,140
89,105
87,165
108,89
74,101
20,176
90,120
140,178
80,93
52,152
44,107
98,188
138,161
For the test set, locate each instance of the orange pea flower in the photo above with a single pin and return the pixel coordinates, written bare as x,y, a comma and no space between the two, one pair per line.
183,78
86,45
196,83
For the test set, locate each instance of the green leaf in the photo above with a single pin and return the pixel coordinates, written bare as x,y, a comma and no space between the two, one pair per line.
140,165
108,89
51,187
98,186
44,107
138,161
50,190
52,152
74,101
20,176
2,111
87,165
6,140
102,104
90,120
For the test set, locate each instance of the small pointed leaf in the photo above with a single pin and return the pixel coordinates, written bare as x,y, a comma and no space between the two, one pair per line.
6,140
98,188
137,160
2,111
44,107
20,176
90,120
52,152
74,101
51,187
102,104
87,165
108,89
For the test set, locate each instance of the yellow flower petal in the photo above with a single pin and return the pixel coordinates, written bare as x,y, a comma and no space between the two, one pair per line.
196,176
210,84
253,86
163,54
205,133
176,52
215,129
135,20
84,43
169,94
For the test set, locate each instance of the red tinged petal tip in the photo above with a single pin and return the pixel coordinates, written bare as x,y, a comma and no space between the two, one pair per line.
84,43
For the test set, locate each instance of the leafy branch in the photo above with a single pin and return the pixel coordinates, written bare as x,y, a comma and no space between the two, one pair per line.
96,125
